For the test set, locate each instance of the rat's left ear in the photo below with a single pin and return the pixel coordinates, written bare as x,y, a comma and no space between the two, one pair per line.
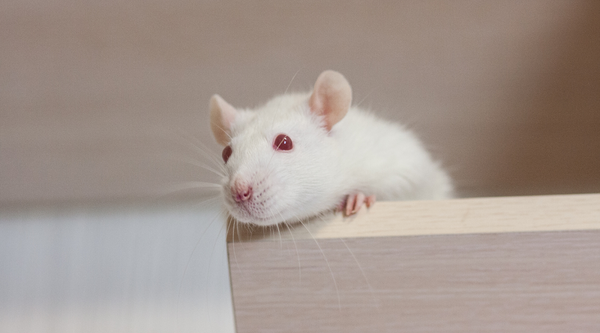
331,97
222,115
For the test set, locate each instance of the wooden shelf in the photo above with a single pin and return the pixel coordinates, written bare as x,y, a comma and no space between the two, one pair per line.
518,264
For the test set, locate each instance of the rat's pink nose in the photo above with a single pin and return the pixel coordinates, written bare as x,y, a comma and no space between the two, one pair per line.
241,191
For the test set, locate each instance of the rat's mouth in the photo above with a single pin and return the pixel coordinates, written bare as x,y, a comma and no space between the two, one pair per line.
251,212
262,206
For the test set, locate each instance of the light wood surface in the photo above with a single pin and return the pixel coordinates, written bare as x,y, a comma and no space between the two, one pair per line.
516,264
457,216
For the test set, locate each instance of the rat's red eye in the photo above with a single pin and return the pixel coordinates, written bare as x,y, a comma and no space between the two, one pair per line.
226,153
282,142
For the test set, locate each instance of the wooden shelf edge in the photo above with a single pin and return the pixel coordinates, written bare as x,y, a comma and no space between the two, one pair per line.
456,216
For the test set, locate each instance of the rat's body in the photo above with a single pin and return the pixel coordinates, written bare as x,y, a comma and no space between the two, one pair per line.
332,155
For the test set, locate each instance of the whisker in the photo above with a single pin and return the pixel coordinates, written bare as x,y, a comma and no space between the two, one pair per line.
362,272
210,260
192,254
213,250
209,203
328,265
236,227
185,139
197,163
279,232
297,253
194,184
222,129
214,158
175,188
292,80
364,98
187,186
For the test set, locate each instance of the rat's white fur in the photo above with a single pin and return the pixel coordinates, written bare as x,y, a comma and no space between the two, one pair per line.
361,153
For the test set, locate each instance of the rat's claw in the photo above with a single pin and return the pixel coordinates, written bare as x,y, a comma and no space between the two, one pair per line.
360,200
350,204
355,201
370,200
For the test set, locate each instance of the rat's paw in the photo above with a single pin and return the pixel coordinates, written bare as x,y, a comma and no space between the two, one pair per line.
354,203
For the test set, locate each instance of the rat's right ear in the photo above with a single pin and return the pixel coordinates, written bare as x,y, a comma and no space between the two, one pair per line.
222,115
331,97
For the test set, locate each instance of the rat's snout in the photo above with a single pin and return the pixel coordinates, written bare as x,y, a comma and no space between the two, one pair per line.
241,190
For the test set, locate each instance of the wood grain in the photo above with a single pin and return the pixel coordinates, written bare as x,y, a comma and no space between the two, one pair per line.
530,264
457,216
508,282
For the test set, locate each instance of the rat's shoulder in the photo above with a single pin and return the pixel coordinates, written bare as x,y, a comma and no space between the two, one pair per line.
371,120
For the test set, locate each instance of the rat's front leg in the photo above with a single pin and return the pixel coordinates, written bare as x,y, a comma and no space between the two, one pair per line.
354,202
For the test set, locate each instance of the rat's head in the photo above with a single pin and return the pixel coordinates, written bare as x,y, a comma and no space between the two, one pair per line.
279,157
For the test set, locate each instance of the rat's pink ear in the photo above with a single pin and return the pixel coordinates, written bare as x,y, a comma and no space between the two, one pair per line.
331,97
222,115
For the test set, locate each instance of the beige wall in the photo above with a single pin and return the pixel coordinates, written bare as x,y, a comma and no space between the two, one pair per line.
92,94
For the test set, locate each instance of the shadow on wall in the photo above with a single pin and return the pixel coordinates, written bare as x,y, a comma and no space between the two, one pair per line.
555,148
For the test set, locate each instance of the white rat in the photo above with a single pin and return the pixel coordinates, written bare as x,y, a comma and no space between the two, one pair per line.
300,155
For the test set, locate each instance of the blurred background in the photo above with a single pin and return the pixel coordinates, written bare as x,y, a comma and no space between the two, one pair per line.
103,103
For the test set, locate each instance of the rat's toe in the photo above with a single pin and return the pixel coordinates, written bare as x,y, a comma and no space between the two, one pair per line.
359,201
350,204
370,201
355,201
